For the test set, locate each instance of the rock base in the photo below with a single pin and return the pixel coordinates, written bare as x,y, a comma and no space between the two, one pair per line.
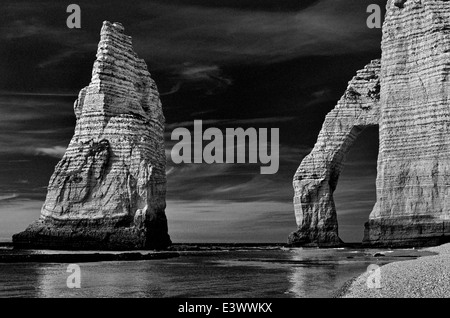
406,232
92,236
314,239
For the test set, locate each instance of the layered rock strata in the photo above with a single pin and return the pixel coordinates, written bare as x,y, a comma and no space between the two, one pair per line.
108,190
318,174
413,181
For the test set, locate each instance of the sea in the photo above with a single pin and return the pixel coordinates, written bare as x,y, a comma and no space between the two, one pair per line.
269,272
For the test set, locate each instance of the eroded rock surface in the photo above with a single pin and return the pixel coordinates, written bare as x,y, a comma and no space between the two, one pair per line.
317,176
108,191
413,114
413,181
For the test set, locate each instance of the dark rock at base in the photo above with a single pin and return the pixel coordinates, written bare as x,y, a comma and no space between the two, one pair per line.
406,232
304,238
42,235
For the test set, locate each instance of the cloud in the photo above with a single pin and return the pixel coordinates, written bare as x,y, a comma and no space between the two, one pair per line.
194,41
35,124
7,197
319,97
173,90
222,221
16,215
34,26
252,5
61,57
232,123
221,35
234,182
55,151
208,78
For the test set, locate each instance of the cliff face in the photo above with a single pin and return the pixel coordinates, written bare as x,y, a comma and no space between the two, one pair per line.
413,182
317,176
108,191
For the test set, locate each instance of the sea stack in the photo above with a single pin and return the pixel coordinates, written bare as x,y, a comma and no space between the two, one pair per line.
108,190
411,107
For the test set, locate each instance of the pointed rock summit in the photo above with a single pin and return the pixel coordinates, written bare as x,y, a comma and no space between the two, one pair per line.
407,96
108,190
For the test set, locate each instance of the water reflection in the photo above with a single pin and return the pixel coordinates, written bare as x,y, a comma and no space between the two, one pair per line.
258,273
19,280
112,279
320,273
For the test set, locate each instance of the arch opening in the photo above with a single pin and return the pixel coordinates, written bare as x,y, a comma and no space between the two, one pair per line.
355,195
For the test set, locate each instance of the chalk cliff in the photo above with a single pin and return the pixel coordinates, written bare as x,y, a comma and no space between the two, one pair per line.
413,114
317,176
108,190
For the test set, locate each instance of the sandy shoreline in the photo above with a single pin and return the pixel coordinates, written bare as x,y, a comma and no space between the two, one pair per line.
425,277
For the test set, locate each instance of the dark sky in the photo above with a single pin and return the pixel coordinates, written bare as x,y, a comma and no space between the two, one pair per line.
232,63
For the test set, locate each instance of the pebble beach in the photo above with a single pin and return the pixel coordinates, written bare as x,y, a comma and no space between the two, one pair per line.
425,277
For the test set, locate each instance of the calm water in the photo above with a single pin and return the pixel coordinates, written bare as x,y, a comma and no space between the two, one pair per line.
246,273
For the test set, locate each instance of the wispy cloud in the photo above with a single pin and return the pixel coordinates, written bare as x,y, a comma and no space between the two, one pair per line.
7,197
232,123
35,125
196,40
234,182
222,221
206,33
207,78
55,151
16,215
35,26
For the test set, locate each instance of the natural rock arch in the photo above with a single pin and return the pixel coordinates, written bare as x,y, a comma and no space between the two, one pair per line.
410,102
317,177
